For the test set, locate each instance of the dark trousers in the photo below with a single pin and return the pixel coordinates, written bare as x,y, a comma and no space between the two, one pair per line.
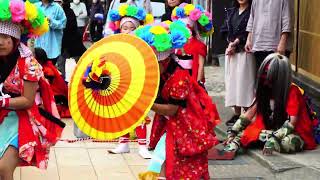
81,31
261,55
96,29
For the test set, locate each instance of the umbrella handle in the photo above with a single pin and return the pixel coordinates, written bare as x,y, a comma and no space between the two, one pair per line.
103,84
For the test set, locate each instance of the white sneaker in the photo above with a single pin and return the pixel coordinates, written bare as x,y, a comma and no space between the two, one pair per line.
144,153
122,148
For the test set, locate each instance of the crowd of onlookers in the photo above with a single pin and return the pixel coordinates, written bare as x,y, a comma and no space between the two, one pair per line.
254,29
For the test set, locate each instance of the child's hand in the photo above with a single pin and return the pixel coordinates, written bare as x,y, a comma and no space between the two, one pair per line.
228,140
267,151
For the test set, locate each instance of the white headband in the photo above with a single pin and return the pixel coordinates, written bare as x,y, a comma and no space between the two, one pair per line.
10,29
163,55
134,21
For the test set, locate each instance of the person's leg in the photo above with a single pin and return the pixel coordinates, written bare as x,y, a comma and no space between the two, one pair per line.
235,144
141,132
123,146
235,117
162,174
81,31
8,163
291,144
260,56
61,62
158,156
99,31
93,31
157,130
237,110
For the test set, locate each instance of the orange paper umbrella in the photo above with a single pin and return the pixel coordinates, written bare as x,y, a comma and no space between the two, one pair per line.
113,86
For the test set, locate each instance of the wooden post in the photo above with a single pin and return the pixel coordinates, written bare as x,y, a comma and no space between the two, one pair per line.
297,35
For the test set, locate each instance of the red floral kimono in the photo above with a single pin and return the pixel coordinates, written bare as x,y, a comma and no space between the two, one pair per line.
190,132
36,134
296,106
159,121
58,86
195,48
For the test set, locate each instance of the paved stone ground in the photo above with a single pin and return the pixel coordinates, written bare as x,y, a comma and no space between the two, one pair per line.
90,161
85,161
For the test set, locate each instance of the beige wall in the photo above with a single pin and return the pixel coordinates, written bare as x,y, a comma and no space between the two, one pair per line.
309,39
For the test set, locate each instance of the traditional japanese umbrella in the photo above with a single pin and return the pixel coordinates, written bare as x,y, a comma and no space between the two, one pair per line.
113,86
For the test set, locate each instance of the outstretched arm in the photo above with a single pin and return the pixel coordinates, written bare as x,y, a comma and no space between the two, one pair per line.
165,109
201,68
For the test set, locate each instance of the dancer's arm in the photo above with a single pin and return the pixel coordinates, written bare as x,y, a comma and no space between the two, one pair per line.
26,100
165,109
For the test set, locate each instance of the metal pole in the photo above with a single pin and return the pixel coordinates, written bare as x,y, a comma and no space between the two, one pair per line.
297,35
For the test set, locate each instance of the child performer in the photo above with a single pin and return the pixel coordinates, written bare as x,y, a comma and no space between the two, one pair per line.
25,135
125,20
279,116
200,24
57,83
190,114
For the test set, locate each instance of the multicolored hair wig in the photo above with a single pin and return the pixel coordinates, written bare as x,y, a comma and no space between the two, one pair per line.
22,18
164,37
128,11
197,18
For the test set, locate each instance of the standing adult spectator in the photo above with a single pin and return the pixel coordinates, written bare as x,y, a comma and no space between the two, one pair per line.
96,20
270,28
80,10
51,41
240,65
72,45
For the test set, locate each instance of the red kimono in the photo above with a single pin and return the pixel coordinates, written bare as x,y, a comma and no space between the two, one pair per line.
195,48
36,134
58,86
190,132
296,106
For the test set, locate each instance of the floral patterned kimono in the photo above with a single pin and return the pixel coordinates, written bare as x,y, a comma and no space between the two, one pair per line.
34,133
59,88
189,134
